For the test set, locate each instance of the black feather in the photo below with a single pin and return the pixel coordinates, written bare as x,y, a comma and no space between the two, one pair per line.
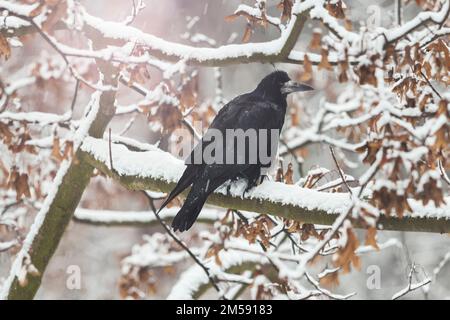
263,108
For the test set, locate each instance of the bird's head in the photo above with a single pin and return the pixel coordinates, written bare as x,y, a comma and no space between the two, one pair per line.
278,84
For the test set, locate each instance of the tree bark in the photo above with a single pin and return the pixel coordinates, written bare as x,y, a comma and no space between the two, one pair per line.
273,207
65,202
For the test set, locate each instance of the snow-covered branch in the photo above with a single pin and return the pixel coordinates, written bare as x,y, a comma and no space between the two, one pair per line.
137,218
158,171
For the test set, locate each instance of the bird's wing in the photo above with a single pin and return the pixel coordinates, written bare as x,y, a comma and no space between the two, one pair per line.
249,112
244,112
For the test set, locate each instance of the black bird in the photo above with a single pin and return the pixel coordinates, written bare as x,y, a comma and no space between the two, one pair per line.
263,108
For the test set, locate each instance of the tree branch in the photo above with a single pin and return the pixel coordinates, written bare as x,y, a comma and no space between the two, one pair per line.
159,171
277,50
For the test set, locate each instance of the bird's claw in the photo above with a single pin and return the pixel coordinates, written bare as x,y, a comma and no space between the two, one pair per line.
229,189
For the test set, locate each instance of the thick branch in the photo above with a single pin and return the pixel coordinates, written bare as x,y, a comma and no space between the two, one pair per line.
159,171
277,50
140,218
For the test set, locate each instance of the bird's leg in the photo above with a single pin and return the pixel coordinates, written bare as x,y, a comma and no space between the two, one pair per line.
263,177
229,188
229,183
252,182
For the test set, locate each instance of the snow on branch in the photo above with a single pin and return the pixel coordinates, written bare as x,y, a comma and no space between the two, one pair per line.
42,118
422,19
276,50
138,218
158,171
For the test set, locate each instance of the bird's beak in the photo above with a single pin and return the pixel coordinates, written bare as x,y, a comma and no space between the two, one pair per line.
292,86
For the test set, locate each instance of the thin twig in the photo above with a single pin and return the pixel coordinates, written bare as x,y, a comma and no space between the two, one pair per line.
75,94
341,173
110,151
443,173
50,41
212,280
431,86
411,287
3,92
399,12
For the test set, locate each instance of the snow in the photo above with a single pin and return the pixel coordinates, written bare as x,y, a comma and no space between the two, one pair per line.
7,244
256,12
144,217
194,278
411,287
42,118
309,136
18,8
155,164
18,84
430,210
9,22
319,12
437,17
160,165
119,31
313,57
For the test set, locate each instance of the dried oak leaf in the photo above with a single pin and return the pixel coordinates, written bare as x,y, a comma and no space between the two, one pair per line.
289,175
58,10
18,182
307,73
315,42
324,63
346,256
371,238
336,9
286,6
5,49
169,116
5,134
247,33
56,153
330,279
367,75
343,77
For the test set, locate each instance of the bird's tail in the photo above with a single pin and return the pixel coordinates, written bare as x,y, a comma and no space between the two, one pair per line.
184,182
191,208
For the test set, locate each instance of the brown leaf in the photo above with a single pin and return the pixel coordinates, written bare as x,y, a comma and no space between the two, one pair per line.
289,175
343,77
336,9
20,183
348,25
324,63
306,75
5,134
57,13
286,6
231,17
247,33
315,40
346,256
5,49
371,238
279,176
68,150
367,75
169,116
331,279
56,153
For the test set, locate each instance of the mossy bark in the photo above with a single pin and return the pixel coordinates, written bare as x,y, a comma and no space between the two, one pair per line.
305,215
66,200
